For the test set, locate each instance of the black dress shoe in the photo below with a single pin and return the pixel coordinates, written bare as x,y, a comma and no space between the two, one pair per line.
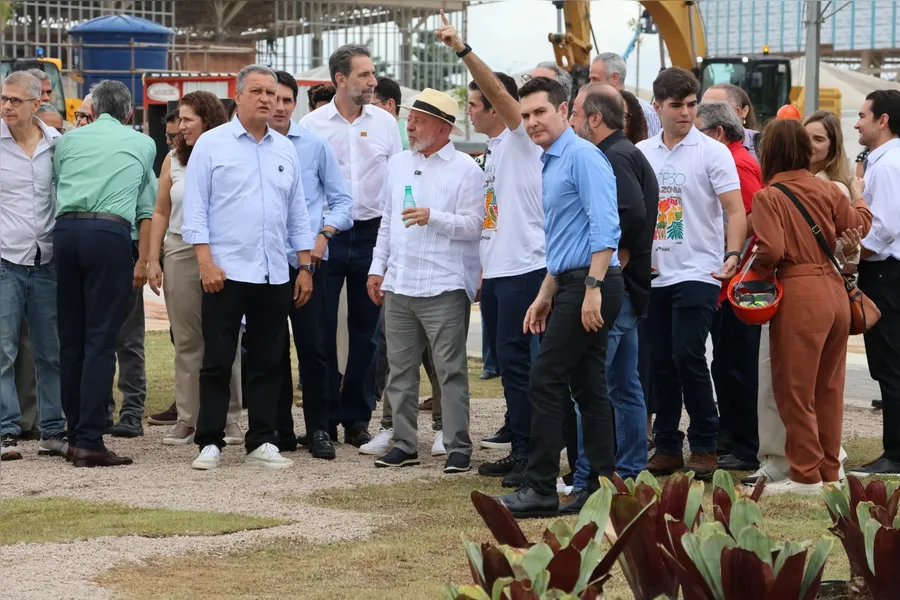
881,466
397,458
574,502
98,458
517,477
128,427
357,436
877,404
321,446
730,462
302,440
525,503
498,468
457,462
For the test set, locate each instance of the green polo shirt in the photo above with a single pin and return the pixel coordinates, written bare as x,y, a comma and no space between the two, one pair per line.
105,167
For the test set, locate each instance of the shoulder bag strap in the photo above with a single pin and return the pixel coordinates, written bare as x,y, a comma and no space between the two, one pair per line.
823,243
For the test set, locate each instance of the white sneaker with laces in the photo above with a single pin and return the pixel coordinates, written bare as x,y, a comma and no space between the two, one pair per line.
267,455
789,486
437,448
767,469
208,459
842,458
379,444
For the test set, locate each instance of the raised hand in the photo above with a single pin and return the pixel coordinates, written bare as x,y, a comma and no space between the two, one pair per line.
448,36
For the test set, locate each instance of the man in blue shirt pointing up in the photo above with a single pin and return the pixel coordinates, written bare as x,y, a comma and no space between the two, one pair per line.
584,288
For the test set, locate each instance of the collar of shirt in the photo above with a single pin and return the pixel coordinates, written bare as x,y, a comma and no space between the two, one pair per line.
331,107
559,146
237,128
611,139
446,153
50,134
880,151
295,131
791,176
691,139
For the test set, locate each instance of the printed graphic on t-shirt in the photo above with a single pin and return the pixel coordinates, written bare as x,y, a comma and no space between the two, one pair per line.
670,219
490,208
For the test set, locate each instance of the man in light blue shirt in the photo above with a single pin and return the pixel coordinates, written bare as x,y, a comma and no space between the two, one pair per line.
244,209
323,185
584,288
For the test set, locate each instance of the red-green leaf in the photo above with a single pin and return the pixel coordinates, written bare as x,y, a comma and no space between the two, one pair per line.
551,540
880,514
645,494
564,569
722,502
674,496
644,569
744,575
583,537
720,517
620,484
892,504
852,539
521,590
693,586
789,580
876,492
758,489
607,562
495,566
499,520
857,495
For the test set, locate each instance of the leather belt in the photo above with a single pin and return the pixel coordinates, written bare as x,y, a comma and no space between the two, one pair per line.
571,276
90,216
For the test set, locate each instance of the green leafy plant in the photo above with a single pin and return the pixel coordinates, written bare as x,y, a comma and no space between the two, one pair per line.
566,563
725,494
865,520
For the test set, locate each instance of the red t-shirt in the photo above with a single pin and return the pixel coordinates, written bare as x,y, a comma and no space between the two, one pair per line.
750,177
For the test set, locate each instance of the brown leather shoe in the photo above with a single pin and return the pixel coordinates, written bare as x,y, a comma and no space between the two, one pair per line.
98,458
166,417
664,464
70,452
427,404
703,464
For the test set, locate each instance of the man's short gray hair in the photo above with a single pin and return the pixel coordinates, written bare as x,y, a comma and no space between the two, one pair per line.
613,63
243,73
341,59
39,74
563,77
112,98
720,114
46,107
26,80
606,100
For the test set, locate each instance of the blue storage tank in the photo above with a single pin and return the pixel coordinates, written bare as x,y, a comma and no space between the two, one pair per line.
98,64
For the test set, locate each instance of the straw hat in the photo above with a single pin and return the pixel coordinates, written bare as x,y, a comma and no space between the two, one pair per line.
437,104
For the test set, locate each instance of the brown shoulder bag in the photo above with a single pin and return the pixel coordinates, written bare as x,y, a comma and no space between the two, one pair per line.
863,312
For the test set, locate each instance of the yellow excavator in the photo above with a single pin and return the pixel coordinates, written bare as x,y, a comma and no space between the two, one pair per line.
765,78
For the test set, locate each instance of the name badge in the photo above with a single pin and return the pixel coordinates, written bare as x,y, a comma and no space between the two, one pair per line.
363,134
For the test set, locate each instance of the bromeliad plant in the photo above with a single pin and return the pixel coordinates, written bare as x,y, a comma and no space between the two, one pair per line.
745,564
865,520
566,563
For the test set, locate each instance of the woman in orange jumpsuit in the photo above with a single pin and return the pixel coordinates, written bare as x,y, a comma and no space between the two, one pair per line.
810,331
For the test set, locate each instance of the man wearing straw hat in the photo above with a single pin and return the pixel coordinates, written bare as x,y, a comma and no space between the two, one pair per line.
425,271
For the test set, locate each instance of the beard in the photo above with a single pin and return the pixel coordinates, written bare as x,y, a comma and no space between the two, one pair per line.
419,144
584,132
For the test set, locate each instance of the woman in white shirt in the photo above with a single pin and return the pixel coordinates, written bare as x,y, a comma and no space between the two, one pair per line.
198,113
828,161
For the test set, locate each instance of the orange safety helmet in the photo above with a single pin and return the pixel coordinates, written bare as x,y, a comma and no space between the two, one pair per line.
751,282
788,111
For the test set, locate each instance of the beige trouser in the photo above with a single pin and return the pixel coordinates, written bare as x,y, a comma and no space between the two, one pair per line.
772,435
184,296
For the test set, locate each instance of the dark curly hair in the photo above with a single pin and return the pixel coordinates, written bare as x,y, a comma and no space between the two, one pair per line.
211,112
636,123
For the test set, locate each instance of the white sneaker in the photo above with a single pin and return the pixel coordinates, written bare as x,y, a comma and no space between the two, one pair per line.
842,458
788,486
267,455
766,469
437,448
233,435
208,459
379,444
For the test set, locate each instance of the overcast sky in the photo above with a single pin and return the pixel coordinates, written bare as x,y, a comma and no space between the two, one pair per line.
511,35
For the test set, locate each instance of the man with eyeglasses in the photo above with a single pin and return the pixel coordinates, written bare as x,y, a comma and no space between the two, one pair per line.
28,280
46,85
172,122
85,113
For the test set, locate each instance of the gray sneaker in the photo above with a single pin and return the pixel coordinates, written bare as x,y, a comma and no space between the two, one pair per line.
55,445
9,448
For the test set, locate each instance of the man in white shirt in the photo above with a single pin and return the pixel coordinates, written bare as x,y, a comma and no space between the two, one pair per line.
879,269
425,272
513,259
698,181
610,68
28,280
363,137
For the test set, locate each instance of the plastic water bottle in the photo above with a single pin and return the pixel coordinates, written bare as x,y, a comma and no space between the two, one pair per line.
408,201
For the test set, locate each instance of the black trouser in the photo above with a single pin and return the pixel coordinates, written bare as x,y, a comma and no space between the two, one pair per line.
266,308
880,281
94,271
735,373
573,358
308,324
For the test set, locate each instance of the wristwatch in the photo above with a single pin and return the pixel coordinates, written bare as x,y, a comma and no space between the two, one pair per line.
734,253
328,234
592,282
310,268
464,51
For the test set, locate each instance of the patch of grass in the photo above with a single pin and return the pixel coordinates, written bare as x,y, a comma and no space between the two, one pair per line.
415,550
64,520
160,358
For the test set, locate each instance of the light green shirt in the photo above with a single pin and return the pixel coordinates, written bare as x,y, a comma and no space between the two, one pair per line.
105,167
404,137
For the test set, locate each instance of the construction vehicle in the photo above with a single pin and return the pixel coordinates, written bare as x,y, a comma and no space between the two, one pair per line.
765,78
53,68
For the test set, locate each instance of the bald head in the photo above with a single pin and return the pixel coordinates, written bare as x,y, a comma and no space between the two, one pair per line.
598,111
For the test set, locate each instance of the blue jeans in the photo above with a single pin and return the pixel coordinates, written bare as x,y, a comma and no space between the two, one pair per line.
29,292
352,398
626,395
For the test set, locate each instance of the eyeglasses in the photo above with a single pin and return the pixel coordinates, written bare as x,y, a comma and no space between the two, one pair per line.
171,136
15,102
80,116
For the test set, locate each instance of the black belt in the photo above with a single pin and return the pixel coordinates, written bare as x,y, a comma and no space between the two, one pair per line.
88,216
376,222
571,276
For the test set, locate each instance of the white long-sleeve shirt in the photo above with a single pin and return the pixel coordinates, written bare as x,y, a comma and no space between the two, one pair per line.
363,149
882,184
443,255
